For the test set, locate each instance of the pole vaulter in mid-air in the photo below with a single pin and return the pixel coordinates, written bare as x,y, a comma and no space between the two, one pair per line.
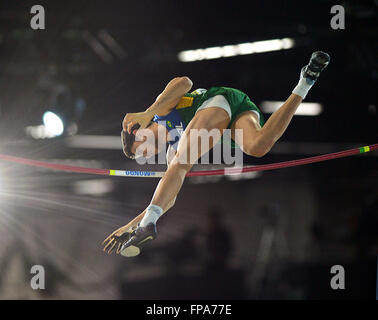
177,109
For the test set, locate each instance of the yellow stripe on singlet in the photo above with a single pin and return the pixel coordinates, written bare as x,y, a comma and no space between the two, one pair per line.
185,102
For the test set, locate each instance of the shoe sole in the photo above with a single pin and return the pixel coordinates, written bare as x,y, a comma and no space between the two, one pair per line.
319,60
131,251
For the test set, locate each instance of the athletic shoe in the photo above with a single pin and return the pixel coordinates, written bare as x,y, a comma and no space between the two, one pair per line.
319,60
142,236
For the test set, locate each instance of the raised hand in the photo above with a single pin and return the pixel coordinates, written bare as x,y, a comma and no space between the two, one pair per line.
141,118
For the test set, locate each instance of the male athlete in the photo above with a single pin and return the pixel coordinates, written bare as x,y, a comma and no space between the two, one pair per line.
217,108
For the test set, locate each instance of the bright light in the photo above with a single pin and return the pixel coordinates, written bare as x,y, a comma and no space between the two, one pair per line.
94,187
243,176
94,142
305,108
53,123
235,50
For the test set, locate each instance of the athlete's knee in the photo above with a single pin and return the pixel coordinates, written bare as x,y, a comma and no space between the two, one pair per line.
185,166
180,164
257,152
258,148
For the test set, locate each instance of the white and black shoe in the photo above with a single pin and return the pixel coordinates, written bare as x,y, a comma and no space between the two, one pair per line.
140,237
311,72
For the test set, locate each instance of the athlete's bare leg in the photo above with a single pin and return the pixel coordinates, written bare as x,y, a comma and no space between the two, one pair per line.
170,184
258,141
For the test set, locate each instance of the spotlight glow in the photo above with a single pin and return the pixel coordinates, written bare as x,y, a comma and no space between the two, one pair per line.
305,109
53,123
235,50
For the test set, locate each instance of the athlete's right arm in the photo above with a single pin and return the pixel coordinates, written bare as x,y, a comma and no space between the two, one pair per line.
164,103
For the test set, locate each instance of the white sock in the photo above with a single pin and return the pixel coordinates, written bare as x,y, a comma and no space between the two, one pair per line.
152,214
303,87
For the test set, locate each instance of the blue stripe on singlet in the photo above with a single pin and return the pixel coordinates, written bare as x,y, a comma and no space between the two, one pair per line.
174,124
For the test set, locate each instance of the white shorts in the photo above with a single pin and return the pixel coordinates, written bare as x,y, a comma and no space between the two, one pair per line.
221,102
216,101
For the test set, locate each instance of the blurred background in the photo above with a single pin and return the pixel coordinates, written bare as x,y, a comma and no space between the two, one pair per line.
273,235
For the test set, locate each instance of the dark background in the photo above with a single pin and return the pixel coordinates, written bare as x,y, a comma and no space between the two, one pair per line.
270,236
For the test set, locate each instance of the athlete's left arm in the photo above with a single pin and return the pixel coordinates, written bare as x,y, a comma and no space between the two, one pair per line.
164,103
171,95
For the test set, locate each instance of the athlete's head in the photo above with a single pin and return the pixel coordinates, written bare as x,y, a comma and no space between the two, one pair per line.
148,137
128,140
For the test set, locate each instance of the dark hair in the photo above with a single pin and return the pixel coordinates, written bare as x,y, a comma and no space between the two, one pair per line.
128,140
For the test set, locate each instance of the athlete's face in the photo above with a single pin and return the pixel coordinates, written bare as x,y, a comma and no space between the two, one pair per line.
146,143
